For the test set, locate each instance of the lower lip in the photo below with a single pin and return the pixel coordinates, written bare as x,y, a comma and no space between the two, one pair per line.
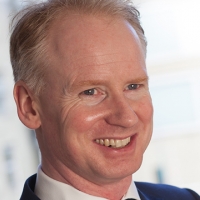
130,146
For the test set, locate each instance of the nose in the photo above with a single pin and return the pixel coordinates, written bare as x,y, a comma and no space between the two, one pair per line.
121,113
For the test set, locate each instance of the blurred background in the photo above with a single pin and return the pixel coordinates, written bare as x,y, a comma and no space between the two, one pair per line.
172,29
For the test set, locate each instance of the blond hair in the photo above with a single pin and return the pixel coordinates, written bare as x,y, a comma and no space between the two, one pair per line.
28,48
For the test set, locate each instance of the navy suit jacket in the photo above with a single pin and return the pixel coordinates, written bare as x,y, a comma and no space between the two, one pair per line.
147,191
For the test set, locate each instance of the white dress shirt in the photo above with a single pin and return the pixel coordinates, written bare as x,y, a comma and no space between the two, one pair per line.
47,188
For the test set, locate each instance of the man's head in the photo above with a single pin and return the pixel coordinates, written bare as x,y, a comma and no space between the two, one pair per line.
28,44
93,118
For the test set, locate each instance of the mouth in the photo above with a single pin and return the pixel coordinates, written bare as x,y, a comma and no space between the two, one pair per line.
114,143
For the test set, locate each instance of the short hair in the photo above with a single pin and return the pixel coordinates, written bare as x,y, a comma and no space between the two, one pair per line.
30,27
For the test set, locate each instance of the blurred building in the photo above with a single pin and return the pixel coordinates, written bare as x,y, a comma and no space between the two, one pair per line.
173,62
18,148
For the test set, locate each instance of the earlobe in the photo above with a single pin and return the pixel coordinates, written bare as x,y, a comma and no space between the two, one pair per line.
26,106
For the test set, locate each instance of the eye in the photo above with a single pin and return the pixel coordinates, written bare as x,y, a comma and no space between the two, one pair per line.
133,86
90,92
92,96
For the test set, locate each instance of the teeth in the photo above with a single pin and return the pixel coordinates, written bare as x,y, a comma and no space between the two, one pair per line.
113,143
101,142
97,141
106,142
118,143
124,142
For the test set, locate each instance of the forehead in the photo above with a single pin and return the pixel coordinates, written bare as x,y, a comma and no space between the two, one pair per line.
80,42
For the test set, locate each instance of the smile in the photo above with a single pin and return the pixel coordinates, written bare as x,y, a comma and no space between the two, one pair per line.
114,143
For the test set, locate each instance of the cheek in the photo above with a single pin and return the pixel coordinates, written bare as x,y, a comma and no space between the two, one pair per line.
145,110
145,114
82,119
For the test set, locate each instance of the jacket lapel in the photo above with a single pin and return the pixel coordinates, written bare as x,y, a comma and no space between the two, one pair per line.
144,196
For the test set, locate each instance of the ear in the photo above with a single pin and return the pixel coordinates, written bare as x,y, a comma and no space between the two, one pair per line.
27,107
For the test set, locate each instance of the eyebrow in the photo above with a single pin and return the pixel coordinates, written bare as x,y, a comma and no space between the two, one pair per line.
89,82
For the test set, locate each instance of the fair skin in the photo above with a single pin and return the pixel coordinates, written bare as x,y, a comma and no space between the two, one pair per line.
97,89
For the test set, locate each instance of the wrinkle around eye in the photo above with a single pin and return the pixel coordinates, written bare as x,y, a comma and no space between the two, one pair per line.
68,104
69,101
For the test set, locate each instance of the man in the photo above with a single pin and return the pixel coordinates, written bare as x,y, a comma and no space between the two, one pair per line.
82,84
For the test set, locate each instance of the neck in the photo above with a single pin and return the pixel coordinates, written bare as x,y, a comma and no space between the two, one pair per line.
112,189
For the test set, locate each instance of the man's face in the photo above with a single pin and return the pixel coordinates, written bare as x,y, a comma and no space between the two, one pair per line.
96,100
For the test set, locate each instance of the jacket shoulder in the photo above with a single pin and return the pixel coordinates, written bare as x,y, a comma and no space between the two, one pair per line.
163,191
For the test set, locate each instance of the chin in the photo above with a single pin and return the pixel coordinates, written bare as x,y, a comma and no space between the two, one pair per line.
124,171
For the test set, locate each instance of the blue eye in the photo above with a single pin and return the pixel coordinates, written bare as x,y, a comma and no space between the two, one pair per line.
133,86
89,92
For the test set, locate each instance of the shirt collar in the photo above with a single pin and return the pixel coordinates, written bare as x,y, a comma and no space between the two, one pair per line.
48,188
